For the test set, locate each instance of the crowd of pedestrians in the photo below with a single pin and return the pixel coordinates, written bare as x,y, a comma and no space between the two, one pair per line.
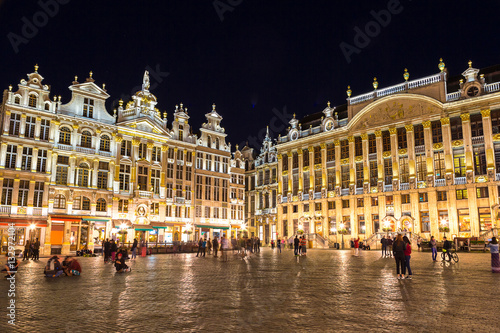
243,246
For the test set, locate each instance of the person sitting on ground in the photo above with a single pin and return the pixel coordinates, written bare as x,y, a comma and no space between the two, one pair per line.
53,267
10,266
71,266
120,264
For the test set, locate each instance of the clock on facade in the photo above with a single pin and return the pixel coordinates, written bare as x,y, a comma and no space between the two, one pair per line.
329,125
472,91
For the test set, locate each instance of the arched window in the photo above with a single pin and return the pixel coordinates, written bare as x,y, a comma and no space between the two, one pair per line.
104,145
101,205
86,139
209,141
47,106
32,101
81,203
59,201
17,100
65,136
85,203
83,175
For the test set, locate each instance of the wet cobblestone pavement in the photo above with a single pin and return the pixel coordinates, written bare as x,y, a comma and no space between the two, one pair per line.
327,291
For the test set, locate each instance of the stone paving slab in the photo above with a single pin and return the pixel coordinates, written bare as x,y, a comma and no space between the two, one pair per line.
326,291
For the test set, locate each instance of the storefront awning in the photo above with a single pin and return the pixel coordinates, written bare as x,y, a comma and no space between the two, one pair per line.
92,219
143,227
212,226
117,223
159,225
24,222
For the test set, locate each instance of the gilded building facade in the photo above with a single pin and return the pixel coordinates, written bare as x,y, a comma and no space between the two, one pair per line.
421,156
73,174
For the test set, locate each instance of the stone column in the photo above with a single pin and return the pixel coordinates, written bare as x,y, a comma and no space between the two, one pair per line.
395,159
90,237
338,168
94,173
410,139
469,161
352,170
3,154
429,152
111,175
75,137
37,128
366,166
48,166
433,212
312,168
19,157
380,162
6,122
323,171
53,131
300,171
279,178
452,211
488,146
290,172
66,238
47,246
22,127
71,171
34,160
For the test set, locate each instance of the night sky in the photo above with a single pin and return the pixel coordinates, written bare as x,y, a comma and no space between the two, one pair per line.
259,61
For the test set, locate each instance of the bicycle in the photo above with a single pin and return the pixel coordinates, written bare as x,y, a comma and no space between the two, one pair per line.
451,255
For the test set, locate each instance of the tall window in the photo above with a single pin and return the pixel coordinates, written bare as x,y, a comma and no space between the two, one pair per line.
156,154
155,181
88,107
386,141
402,142
425,222
8,187
178,171
358,146
102,179
188,192
44,129
62,170
41,164
170,190
422,167
456,128
495,121
359,175
463,220
65,136
32,101
388,171
317,155
154,208
305,157
345,176
317,181
126,148
330,152
216,189
189,171
459,162
81,203
101,205
404,173
60,201
181,132
331,179
295,160
373,173
26,159
86,139
104,144
143,150
29,129
418,132
439,165
124,177
344,149
83,175
142,178
199,187
208,185
38,194
15,123
437,133
372,144
10,157
479,161
24,189
170,170
476,125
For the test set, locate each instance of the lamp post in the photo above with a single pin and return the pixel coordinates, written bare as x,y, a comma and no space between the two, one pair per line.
342,232
32,229
444,225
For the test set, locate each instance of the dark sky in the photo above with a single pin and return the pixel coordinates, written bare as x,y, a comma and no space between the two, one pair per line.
261,62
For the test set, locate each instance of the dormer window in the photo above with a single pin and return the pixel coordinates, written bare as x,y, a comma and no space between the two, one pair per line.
17,100
32,101
88,107
181,132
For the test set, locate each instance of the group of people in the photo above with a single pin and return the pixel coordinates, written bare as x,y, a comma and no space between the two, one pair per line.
69,267
280,243
31,250
215,245
300,245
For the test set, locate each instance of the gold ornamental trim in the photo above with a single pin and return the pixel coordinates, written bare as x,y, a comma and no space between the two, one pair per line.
350,138
305,169
289,154
465,116
496,137
403,151
150,145
336,142
118,139
426,124
481,179
295,198
364,136
422,185
393,131
386,154
323,145
458,143
285,173
445,121
409,128
437,146
485,113
317,167
299,152
374,189
358,159
378,133
344,161
331,194
311,149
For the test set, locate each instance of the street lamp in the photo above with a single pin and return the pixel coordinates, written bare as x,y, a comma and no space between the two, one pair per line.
342,232
32,229
444,225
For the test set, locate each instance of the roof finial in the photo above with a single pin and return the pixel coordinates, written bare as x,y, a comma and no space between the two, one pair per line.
328,103
213,106
36,68
470,63
104,86
145,81
375,83
91,74
120,102
294,116
76,78
406,75
349,91
441,64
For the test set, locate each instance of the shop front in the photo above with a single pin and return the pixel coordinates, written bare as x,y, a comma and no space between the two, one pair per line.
211,231
69,234
25,229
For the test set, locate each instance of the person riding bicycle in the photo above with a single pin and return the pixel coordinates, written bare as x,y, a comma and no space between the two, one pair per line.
447,248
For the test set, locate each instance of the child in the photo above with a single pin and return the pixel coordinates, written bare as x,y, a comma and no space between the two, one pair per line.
120,265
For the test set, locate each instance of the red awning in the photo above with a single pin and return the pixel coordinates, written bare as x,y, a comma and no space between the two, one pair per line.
24,222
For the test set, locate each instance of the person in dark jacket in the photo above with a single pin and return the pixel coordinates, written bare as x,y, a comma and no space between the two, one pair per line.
215,245
134,249
200,247
296,243
447,248
36,250
120,264
113,249
399,247
106,248
408,257
383,241
27,249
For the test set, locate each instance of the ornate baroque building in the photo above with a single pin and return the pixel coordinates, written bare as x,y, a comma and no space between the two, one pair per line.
72,174
421,156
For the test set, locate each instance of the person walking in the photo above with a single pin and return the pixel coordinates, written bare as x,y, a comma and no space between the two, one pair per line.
356,247
224,247
113,249
433,244
419,243
204,247
272,244
389,247
234,243
408,256
495,260
278,244
27,249
209,246
383,241
296,243
134,249
200,247
215,244
303,245
36,250
106,248
399,254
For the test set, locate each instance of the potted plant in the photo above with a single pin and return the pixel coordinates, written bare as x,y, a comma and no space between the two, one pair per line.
387,229
444,229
